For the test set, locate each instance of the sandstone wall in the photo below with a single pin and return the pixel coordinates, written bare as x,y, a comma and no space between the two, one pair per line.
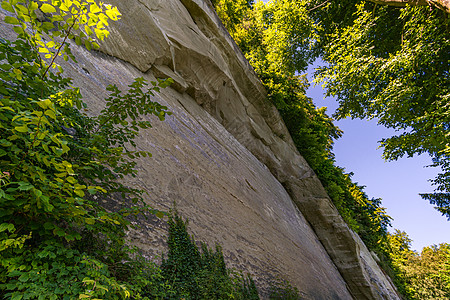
224,155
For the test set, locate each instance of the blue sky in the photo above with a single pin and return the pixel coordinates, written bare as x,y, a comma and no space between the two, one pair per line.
398,183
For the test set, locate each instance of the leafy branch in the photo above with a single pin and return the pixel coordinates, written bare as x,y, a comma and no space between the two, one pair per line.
50,179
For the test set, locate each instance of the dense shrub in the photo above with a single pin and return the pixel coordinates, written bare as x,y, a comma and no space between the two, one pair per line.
56,240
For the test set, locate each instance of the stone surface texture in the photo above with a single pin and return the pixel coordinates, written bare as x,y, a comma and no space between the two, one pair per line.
224,156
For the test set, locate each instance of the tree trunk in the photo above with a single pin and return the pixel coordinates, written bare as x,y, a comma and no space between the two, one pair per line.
441,4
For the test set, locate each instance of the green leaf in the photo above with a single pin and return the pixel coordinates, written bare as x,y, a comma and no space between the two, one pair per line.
37,193
25,186
71,180
33,6
50,113
6,6
22,10
24,277
7,226
88,45
45,103
17,296
18,30
89,221
46,149
22,129
47,8
46,26
94,8
79,192
78,40
11,20
46,201
17,71
59,232
101,287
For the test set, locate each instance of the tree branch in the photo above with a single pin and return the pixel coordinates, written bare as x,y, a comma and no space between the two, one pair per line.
441,4
318,6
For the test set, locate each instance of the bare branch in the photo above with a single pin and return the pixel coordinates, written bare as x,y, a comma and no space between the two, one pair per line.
441,4
320,5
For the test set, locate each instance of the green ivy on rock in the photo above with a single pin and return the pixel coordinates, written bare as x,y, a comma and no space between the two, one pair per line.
200,274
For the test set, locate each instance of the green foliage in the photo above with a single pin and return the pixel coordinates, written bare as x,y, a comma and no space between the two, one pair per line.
51,271
425,275
56,241
392,65
196,274
441,197
38,21
233,12
282,289
275,38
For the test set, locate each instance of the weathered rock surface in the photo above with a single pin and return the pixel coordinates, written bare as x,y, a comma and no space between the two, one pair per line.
225,155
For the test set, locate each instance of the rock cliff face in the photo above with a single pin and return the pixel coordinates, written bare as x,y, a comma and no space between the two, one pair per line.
225,155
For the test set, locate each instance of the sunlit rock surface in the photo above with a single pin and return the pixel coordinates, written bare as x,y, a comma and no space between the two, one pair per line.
224,156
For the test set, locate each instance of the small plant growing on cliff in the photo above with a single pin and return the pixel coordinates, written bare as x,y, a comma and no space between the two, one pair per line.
200,274
281,289
56,241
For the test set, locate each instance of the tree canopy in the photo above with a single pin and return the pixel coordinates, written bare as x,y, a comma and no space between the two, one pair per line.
427,274
392,65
